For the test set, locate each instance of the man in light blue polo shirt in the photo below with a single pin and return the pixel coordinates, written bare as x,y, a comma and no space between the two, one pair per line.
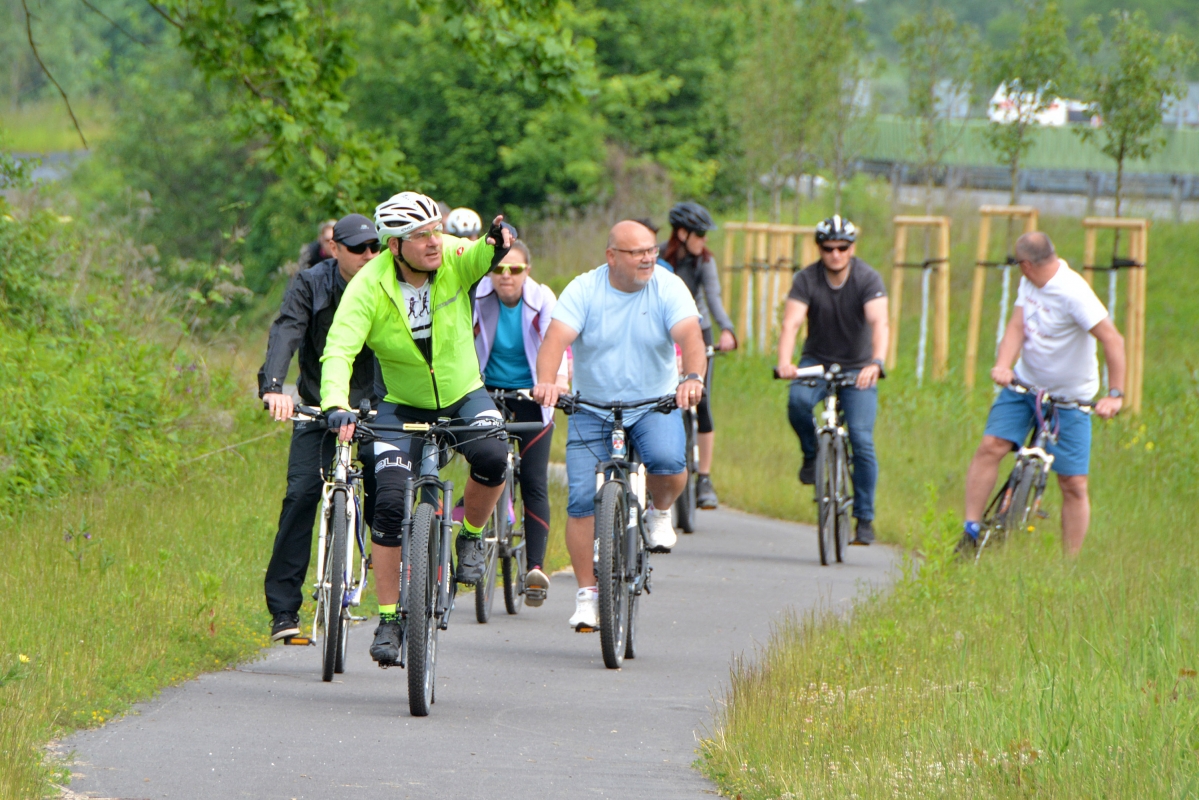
623,320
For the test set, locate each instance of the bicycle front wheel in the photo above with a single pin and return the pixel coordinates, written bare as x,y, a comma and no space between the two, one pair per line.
611,523
495,532
420,627
842,498
513,562
826,510
1020,508
335,587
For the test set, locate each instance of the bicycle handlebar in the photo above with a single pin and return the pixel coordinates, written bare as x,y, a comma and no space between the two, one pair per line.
817,373
1019,387
570,403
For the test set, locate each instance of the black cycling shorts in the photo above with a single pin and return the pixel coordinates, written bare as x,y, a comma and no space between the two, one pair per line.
397,455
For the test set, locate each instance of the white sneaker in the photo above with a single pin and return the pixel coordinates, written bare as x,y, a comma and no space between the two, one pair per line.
586,617
537,587
659,530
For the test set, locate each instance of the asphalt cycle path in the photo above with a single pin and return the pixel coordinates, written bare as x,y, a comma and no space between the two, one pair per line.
524,705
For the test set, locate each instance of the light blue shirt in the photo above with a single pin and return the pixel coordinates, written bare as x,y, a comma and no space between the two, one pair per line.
624,350
507,366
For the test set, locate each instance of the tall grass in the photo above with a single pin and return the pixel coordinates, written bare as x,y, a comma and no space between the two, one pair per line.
1024,674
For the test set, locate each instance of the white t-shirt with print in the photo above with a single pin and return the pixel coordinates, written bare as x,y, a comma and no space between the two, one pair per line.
416,302
1059,351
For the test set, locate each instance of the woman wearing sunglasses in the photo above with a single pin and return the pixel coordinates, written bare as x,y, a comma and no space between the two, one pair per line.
512,313
845,303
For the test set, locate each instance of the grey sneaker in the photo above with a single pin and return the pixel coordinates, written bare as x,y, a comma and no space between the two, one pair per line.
537,586
386,647
705,493
471,559
863,533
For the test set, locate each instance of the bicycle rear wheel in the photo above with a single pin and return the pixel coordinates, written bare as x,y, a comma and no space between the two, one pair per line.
611,521
634,598
420,627
685,505
1020,508
335,587
493,534
826,514
842,498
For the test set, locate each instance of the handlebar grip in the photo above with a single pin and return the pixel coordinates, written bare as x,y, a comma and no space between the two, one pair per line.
519,428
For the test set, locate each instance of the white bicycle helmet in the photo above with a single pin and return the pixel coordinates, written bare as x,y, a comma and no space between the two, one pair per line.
836,229
463,222
403,213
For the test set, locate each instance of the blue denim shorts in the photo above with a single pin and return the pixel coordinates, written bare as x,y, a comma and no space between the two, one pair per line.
1013,417
659,438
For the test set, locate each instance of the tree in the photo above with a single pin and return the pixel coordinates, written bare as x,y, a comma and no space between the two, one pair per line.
936,51
848,105
287,62
1127,78
778,93
1032,73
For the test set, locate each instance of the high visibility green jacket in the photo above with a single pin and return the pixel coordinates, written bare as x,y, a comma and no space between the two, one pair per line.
372,313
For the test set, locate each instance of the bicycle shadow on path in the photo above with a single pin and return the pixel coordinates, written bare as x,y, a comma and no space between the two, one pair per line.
524,705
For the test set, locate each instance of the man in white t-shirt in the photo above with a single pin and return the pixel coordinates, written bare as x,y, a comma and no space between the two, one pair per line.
623,319
1054,326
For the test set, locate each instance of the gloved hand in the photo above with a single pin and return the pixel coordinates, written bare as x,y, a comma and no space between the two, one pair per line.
501,235
338,418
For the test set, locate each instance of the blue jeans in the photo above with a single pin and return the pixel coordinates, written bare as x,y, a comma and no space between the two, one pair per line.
861,407
659,439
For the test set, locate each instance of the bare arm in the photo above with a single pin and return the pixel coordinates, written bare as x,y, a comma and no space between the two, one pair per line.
549,360
794,313
1009,348
1113,353
876,315
690,338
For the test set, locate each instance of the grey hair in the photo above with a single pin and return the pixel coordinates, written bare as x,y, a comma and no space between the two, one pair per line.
1035,247
324,226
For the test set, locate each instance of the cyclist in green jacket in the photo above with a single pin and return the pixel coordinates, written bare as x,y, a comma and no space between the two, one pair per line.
411,306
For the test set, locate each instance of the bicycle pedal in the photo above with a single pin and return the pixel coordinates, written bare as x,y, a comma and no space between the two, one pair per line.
586,629
659,549
1042,514
299,641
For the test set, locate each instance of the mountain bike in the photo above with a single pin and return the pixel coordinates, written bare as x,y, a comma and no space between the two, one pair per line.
1018,502
427,585
622,568
505,546
834,471
340,577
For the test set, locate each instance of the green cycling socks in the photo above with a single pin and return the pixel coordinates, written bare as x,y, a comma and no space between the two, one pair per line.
388,613
470,531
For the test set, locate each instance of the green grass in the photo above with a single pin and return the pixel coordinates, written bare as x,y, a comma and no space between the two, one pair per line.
45,126
1022,675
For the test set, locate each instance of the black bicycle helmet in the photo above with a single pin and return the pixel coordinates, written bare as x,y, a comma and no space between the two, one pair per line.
836,229
692,217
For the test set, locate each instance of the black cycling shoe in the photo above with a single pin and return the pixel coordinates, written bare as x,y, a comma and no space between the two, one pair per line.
967,545
807,473
285,625
470,559
386,647
863,533
705,494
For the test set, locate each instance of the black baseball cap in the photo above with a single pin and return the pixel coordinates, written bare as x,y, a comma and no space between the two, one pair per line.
354,229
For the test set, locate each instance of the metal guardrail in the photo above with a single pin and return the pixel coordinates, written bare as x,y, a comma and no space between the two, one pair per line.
1054,181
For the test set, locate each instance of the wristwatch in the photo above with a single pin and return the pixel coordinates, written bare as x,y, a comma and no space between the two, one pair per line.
878,362
691,376
1115,393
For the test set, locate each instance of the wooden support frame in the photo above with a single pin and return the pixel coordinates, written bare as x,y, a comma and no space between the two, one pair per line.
767,263
1137,265
939,262
1030,217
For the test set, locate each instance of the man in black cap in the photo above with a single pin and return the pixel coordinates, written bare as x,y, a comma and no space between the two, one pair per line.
303,323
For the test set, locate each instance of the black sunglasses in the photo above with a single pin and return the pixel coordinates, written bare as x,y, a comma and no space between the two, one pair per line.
841,248
359,249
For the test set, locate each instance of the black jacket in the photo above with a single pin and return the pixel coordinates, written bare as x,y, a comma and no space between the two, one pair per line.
304,318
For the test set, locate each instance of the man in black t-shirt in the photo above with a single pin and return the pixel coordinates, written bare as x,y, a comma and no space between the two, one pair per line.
845,304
